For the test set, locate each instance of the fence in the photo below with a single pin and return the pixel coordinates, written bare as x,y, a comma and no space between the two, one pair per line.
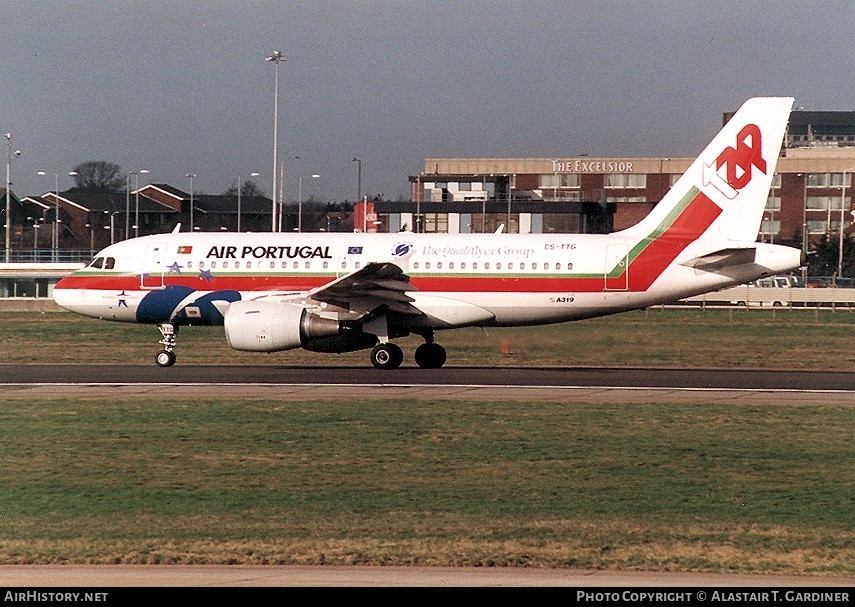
777,297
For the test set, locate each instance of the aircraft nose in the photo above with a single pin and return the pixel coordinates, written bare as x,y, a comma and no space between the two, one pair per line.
62,296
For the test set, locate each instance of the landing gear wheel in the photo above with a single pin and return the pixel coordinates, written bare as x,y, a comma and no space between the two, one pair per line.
430,356
165,358
387,356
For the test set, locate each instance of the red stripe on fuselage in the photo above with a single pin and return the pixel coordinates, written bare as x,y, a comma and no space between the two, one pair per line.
647,266
660,253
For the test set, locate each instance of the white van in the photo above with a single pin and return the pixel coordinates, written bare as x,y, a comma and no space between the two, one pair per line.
767,298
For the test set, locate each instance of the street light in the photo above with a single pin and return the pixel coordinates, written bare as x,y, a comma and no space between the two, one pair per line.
192,176
276,58
282,198
842,205
239,188
136,175
8,187
772,221
137,202
35,238
55,228
358,179
112,226
300,203
91,240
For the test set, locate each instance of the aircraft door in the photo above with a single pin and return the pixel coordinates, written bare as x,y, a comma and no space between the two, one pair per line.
153,268
616,274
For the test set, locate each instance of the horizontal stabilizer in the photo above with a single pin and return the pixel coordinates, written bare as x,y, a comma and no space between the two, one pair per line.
723,258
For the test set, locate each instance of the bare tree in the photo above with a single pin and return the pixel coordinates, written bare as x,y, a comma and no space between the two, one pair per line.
98,176
248,188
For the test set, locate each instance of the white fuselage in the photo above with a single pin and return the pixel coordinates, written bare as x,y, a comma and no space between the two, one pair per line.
458,280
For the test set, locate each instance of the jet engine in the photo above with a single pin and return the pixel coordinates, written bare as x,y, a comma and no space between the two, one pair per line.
269,326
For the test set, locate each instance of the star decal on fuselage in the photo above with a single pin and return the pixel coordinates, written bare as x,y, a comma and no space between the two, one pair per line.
206,275
175,268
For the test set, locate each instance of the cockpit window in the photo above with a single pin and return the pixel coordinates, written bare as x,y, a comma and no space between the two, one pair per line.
105,263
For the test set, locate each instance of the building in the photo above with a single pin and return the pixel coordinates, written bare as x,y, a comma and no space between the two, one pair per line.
811,195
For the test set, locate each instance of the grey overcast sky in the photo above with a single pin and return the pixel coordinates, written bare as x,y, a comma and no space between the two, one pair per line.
181,86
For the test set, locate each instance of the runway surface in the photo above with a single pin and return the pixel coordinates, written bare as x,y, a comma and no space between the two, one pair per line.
298,382
486,376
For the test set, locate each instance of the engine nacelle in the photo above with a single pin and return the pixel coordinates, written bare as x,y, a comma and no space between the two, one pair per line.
269,326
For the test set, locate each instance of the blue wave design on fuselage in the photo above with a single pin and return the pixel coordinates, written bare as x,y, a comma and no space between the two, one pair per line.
175,304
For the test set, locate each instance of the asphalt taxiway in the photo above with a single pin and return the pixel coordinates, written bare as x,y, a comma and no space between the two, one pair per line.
475,383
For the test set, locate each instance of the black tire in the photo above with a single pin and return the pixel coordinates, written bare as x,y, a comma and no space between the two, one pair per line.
165,358
430,356
387,356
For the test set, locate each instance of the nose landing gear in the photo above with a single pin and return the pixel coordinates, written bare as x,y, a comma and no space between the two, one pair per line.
166,357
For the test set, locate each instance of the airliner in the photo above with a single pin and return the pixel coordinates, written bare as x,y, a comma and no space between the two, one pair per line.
343,292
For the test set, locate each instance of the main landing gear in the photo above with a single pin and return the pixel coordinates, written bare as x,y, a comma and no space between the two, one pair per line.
429,355
166,357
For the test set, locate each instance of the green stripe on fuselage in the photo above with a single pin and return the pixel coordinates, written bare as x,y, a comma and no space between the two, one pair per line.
666,223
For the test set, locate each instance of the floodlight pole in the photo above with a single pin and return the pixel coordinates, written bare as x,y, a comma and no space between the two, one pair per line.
276,58
842,207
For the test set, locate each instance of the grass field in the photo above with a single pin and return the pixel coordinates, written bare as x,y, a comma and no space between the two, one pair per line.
759,488
750,487
789,339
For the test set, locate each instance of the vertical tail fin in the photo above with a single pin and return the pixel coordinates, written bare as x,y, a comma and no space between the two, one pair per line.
734,174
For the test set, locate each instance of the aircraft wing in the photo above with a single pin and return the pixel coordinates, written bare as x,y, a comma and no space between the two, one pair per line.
722,258
366,289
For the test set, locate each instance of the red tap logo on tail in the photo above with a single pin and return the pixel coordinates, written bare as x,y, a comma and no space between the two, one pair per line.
738,162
